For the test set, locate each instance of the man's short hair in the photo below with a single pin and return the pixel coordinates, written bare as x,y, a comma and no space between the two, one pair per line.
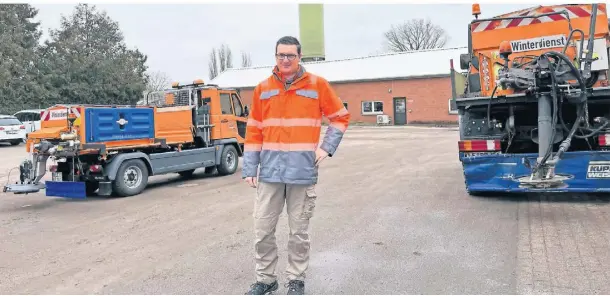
289,40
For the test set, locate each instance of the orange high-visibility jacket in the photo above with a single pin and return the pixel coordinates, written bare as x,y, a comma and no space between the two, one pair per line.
284,127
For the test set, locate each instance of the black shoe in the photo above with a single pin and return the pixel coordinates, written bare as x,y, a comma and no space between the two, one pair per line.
259,288
296,287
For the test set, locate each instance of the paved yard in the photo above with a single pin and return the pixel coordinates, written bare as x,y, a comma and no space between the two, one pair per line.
392,217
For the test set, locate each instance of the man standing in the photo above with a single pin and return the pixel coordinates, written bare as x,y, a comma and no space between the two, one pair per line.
283,134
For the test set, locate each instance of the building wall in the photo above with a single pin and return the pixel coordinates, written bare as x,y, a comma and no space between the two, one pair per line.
427,98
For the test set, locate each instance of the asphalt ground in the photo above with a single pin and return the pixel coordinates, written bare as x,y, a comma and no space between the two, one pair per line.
392,217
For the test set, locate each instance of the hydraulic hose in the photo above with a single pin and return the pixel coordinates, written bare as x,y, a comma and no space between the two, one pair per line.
579,77
583,86
593,131
580,107
566,143
574,70
582,43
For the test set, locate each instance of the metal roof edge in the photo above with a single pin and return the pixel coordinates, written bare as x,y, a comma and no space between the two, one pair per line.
354,58
387,54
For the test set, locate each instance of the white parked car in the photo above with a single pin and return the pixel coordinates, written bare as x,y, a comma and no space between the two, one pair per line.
30,118
11,130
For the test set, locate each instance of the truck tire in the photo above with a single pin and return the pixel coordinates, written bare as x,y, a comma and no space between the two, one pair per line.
131,178
228,161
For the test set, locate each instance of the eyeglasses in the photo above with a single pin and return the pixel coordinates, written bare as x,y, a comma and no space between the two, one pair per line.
282,56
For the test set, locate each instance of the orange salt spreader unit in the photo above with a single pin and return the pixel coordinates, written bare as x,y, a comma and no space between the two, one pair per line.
115,149
535,114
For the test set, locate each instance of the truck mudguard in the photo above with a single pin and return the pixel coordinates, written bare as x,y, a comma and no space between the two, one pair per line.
112,168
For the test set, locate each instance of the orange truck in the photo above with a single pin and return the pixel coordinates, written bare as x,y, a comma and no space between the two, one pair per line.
535,112
115,149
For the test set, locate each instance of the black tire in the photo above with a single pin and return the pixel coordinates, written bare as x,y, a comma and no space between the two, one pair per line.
131,178
186,174
15,143
229,160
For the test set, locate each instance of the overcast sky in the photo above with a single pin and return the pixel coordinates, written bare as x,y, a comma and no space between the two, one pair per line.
178,38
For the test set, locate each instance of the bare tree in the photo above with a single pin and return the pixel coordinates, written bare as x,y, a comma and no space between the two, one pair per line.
245,60
228,57
220,60
213,64
416,34
158,81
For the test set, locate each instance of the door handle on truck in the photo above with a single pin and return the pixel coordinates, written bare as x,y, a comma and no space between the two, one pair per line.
224,120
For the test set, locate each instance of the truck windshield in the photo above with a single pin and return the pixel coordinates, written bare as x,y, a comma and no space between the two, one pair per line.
9,121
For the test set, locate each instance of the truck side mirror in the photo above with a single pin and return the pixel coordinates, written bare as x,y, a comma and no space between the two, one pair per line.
246,112
464,61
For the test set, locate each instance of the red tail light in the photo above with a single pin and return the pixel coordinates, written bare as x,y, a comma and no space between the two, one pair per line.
96,168
22,127
53,168
479,145
1,128
604,139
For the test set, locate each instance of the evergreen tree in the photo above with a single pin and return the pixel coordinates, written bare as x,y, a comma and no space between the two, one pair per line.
89,63
20,76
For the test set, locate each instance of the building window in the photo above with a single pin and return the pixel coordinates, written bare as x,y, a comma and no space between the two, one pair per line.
372,107
452,107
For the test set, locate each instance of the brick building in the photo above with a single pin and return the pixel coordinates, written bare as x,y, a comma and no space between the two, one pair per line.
409,87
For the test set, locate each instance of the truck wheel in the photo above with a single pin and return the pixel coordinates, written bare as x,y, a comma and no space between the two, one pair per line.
15,143
131,178
228,161
186,174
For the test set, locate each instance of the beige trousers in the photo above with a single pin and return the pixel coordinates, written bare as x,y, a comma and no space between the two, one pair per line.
300,202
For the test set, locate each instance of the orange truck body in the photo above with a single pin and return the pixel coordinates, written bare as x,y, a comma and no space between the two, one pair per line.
174,124
535,112
195,126
532,37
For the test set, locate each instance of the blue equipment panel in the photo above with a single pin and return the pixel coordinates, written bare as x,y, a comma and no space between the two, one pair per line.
118,124
586,171
65,189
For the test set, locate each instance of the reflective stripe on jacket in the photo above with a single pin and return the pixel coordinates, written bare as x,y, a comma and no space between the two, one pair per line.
284,125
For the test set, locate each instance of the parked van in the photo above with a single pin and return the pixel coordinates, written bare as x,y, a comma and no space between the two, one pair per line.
29,118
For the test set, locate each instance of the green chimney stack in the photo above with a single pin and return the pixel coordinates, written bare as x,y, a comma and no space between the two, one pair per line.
311,32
